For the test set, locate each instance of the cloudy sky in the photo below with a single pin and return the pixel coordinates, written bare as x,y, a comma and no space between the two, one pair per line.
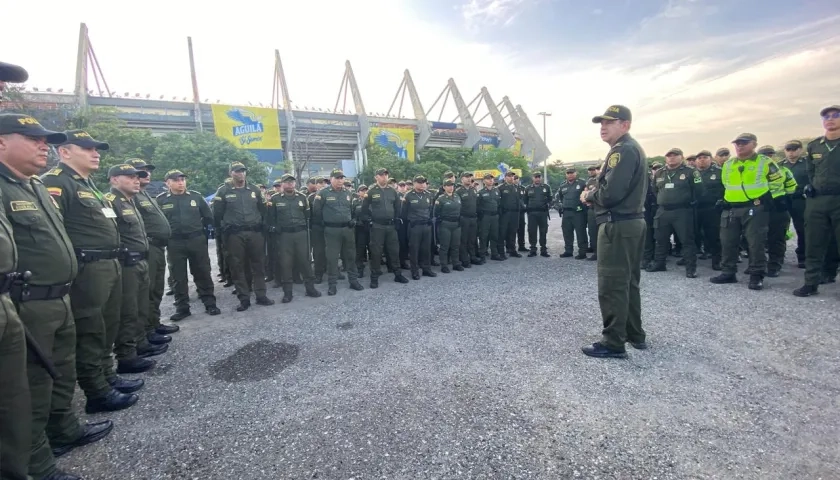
694,72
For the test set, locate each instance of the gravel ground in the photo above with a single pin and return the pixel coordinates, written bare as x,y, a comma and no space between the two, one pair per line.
479,374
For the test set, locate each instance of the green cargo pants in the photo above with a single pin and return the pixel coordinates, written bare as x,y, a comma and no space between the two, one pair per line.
620,247
95,296
488,234
192,251
15,402
574,223
450,243
383,238
680,223
293,254
134,311
779,222
822,219
246,260
751,222
319,250
340,243
157,274
51,324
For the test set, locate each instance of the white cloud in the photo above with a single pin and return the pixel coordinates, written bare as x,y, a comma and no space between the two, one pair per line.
490,12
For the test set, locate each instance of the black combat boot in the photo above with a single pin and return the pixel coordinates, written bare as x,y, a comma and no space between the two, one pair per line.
311,291
287,294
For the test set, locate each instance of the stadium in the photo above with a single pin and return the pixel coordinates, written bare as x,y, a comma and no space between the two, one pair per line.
314,141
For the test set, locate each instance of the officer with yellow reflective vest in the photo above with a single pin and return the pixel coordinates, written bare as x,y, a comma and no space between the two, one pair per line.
779,219
754,186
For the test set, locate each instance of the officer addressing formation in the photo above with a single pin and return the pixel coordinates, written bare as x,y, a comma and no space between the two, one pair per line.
83,271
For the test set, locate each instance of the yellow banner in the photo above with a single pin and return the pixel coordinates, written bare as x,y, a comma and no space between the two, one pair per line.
496,173
252,128
516,149
400,141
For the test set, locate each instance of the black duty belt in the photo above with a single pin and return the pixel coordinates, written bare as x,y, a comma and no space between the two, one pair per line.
675,206
7,280
159,242
88,255
753,203
491,214
451,219
420,223
510,210
243,228
383,222
187,236
337,224
299,228
468,215
130,259
610,217
23,292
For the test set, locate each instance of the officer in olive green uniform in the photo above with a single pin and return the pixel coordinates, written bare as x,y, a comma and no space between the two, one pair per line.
469,221
131,341
779,222
238,211
447,211
520,231
706,210
822,212
333,209
591,224
678,187
650,213
416,213
221,252
618,200
158,231
574,215
795,162
362,230
95,295
41,295
316,233
488,220
537,204
510,204
288,212
382,206
189,217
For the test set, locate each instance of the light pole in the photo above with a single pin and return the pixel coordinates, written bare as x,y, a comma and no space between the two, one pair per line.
545,162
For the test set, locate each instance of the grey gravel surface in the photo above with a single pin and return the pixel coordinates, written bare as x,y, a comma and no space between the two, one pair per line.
479,374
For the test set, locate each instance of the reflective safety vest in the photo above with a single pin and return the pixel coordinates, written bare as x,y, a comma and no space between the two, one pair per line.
747,180
790,183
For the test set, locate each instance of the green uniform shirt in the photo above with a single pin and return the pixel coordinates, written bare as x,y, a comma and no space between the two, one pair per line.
333,206
823,165
469,200
569,194
677,187
381,204
287,211
448,207
488,200
187,213
89,218
713,188
311,198
43,246
157,226
132,230
510,200
8,250
417,206
622,185
538,197
800,174
238,207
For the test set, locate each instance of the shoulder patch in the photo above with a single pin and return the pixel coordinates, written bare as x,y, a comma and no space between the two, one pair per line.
614,159
54,191
54,172
110,196
195,192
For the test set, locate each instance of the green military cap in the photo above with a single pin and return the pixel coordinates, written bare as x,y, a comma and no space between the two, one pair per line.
570,170
448,174
236,166
536,174
29,127
140,164
592,167
126,169
767,150
337,173
745,137
382,171
704,153
722,151
277,182
288,177
488,176
655,166
174,175
362,187
466,174
449,183
509,174
829,108
420,179
674,151
793,145
348,183
691,158
312,180
614,112
84,140
402,184
392,180
13,73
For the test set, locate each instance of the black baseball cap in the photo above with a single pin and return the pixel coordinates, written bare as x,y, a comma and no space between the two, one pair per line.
84,140
140,164
793,144
592,167
236,166
704,153
29,127
175,174
537,174
337,173
722,151
382,171
13,73
466,174
420,179
674,151
126,169
745,137
615,112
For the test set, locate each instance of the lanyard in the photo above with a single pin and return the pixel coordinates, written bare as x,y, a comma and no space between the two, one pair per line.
95,190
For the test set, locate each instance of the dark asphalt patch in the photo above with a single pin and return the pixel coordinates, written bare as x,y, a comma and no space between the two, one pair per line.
255,361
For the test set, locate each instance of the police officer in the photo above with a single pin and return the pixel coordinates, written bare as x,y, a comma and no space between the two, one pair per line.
416,213
537,202
447,211
591,225
382,206
316,232
721,156
189,217
158,230
221,254
469,221
520,231
41,296
131,341
362,230
488,220
706,211
288,212
779,222
677,188
574,215
618,199
751,183
333,210
795,163
650,213
822,214
510,204
238,211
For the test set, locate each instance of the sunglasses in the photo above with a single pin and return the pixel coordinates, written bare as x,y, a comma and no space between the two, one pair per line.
831,116
792,149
